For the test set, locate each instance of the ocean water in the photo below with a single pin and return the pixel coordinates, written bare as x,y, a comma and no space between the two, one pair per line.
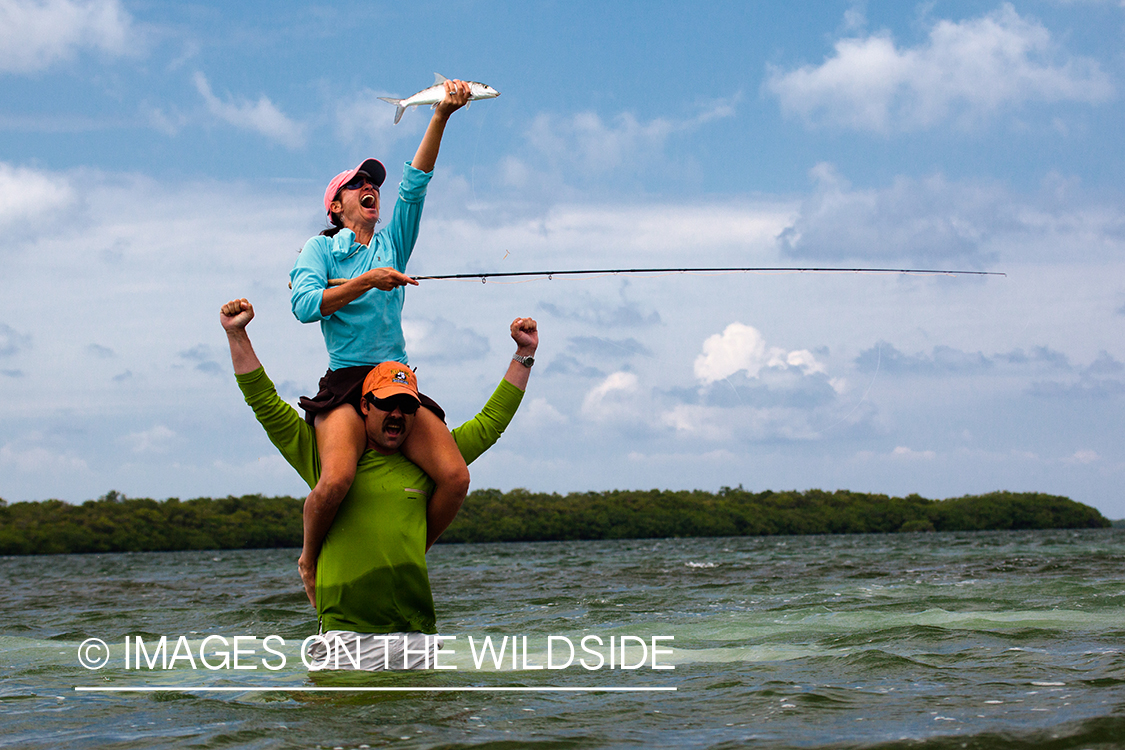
954,640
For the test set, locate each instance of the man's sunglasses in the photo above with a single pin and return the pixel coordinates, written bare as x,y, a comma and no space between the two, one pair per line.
405,404
359,181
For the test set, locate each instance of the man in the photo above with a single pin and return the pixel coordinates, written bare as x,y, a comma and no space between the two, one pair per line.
372,590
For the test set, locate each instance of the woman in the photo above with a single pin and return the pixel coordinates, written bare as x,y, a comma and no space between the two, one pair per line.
361,320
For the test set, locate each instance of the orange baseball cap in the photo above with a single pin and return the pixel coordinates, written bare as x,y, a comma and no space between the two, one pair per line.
391,379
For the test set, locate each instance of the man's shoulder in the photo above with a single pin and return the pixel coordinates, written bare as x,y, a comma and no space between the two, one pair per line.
290,434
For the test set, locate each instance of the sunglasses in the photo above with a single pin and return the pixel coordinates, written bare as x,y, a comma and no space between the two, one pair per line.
405,404
359,181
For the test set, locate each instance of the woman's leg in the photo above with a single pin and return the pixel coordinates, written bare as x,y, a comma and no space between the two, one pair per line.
432,447
340,440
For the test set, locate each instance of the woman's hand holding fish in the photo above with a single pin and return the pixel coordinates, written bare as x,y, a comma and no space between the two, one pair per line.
457,95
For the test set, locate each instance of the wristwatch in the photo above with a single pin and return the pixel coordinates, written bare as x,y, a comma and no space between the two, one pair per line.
526,361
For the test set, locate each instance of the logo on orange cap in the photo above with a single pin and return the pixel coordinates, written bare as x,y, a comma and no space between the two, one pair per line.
390,379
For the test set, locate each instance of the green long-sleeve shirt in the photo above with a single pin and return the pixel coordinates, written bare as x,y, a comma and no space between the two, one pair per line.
371,574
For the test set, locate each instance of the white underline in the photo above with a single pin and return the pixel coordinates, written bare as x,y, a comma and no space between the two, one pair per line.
468,689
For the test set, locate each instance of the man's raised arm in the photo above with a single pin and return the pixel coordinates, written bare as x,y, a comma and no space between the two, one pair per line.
525,332
291,435
234,316
482,431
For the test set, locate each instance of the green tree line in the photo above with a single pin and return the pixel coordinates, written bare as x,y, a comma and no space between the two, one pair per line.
115,523
519,515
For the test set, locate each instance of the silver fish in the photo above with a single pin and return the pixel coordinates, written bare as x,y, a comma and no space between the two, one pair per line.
436,93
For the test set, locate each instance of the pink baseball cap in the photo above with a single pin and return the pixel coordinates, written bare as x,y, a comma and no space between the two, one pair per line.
373,168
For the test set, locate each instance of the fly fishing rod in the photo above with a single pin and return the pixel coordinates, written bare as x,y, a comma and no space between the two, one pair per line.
731,269
485,276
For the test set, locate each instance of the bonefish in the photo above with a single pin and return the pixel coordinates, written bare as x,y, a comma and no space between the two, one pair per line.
436,93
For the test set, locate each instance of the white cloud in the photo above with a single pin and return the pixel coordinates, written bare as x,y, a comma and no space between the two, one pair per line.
168,123
260,117
591,143
439,340
933,220
1118,3
903,452
35,460
946,361
596,310
599,235
249,476
743,423
855,18
362,119
900,453
966,71
154,440
1082,457
588,144
738,347
194,246
609,399
34,34
28,194
540,412
803,360
704,422
928,219
516,173
742,348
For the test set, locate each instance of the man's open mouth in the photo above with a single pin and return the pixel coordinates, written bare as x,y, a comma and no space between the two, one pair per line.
394,426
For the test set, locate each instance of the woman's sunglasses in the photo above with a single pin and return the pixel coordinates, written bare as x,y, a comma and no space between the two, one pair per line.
359,181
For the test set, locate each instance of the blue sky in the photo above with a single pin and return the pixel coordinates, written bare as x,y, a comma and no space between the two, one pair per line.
158,159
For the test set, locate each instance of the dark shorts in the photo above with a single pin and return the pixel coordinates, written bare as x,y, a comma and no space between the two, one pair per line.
345,386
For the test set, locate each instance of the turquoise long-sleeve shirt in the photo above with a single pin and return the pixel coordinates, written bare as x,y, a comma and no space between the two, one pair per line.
367,330
371,575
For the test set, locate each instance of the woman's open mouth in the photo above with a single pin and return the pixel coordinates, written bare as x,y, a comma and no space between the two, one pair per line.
367,201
